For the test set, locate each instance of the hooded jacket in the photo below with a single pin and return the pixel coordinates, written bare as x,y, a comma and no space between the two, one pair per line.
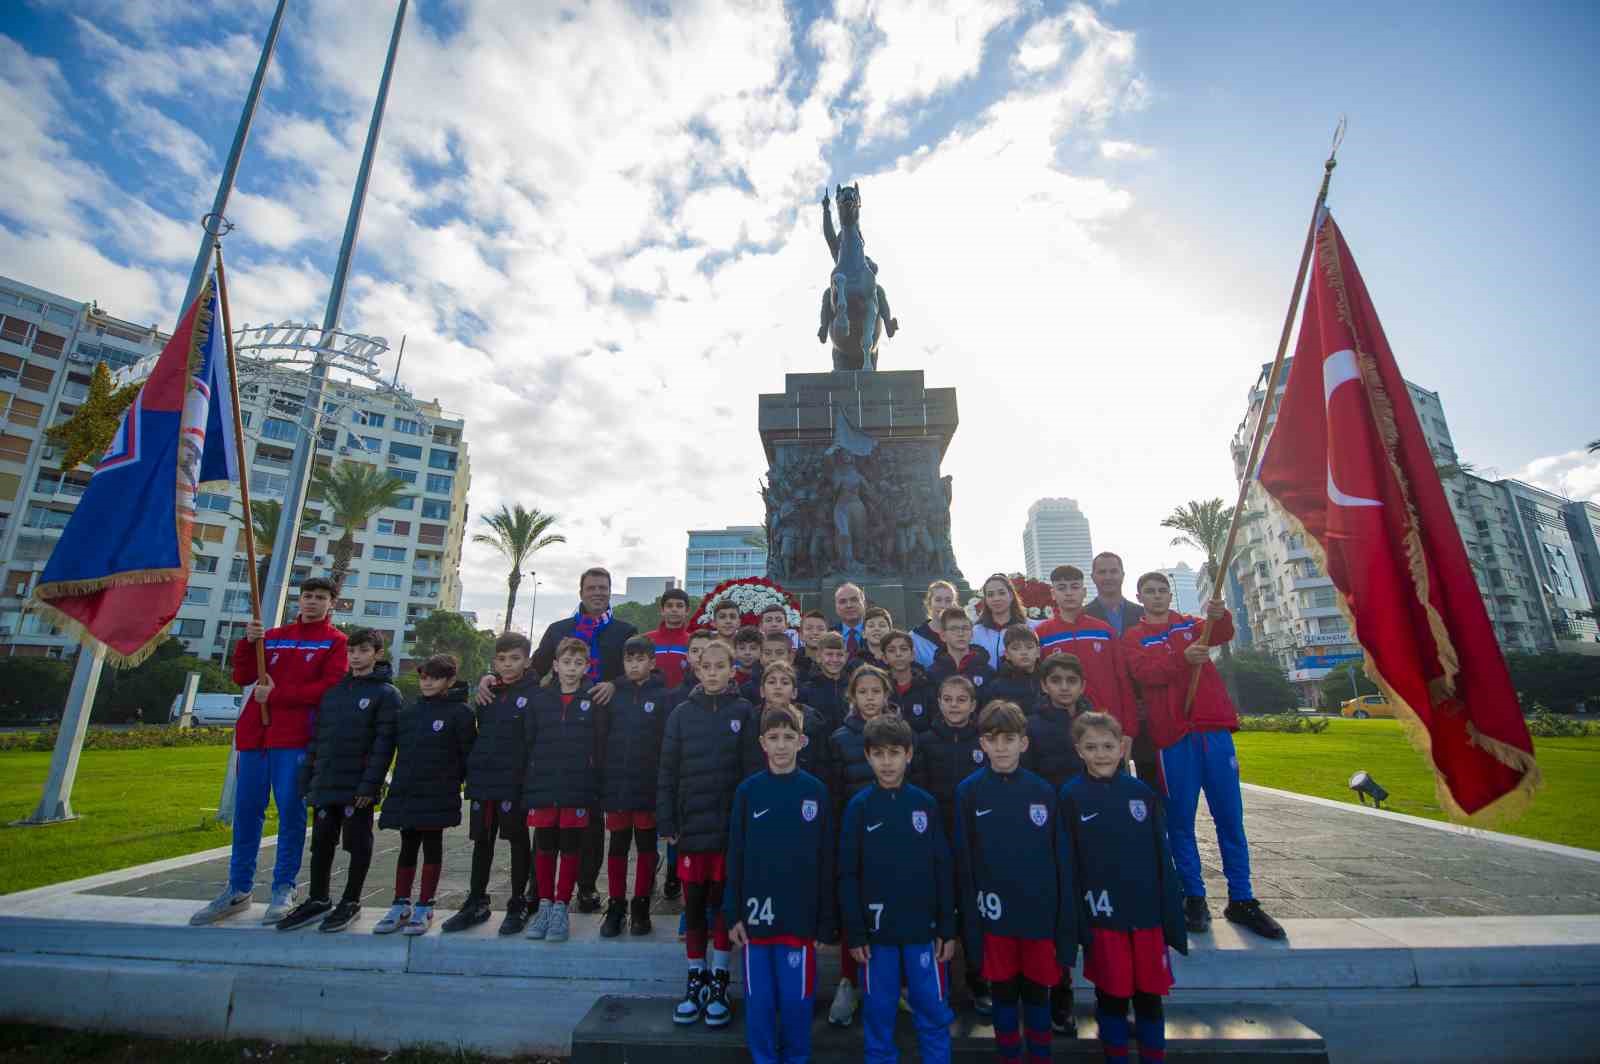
565,736
433,739
639,713
708,749
499,757
355,738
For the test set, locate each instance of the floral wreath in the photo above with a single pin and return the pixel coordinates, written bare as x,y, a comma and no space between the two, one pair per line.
1037,601
751,594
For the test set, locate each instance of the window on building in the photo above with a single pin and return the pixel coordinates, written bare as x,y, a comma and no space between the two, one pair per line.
405,450
49,344
384,581
196,596
238,572
14,448
407,503
407,475
236,601
37,377
381,609
431,534
276,428
306,545
25,413
388,526
388,554
438,459
369,418
268,483
370,444
189,627
10,367
203,563
207,500
439,484
436,508
407,425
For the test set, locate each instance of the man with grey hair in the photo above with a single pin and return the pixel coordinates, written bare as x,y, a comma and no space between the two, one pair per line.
850,604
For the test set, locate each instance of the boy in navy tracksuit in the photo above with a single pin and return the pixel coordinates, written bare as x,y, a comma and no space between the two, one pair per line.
825,691
638,714
779,900
813,626
896,895
960,657
947,753
1132,903
778,691
1016,680
494,785
565,736
1020,882
915,694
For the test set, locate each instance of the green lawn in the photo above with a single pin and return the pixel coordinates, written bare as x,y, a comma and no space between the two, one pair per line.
133,806
1564,810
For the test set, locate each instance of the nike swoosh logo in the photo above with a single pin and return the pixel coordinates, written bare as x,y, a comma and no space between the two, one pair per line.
1086,819
985,812
875,827
758,816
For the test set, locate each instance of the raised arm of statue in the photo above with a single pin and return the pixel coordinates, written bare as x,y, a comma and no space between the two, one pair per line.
829,233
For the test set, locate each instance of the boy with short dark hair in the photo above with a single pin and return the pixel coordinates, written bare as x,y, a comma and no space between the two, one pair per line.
876,623
746,660
671,636
565,737
915,694
1098,647
813,626
355,740
1015,680
779,901
1012,865
725,621
1196,748
638,712
494,785
896,894
775,621
960,657
705,754
825,691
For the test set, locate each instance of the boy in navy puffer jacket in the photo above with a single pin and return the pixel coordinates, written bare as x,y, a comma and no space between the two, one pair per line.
638,710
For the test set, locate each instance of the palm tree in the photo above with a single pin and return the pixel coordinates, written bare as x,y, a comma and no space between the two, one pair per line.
265,516
1594,446
518,534
355,492
1204,527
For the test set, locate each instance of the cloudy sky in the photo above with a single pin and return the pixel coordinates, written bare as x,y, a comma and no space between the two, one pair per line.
597,225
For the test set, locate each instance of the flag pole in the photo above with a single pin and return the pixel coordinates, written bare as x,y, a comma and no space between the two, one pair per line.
222,226
1260,433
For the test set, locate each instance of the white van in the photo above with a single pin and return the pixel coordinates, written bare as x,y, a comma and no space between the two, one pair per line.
210,709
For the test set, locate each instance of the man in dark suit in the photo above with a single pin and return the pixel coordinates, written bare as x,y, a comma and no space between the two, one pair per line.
850,604
1121,614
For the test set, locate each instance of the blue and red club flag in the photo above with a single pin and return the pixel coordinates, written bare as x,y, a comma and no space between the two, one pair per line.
118,574
1348,460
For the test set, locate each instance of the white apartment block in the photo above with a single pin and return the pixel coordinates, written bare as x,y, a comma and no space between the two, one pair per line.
407,559
1185,587
1057,533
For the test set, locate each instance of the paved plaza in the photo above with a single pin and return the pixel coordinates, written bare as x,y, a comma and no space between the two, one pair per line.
1309,860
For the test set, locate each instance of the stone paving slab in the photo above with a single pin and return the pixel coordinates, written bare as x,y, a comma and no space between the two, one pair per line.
1309,860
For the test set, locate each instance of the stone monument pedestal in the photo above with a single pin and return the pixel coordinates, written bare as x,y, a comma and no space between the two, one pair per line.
854,489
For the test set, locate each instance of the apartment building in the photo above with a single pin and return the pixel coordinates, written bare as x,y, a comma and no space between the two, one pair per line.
718,554
1057,533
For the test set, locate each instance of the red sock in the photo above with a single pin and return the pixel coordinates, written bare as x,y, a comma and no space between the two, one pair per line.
430,883
567,878
544,874
617,876
403,875
694,944
644,875
719,933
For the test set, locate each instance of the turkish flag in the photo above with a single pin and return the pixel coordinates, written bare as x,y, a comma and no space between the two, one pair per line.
1348,460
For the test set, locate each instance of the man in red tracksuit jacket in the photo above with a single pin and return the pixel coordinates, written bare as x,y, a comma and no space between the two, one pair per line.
304,659
1096,645
1196,747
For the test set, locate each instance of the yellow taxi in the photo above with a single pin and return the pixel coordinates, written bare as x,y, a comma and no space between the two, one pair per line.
1366,706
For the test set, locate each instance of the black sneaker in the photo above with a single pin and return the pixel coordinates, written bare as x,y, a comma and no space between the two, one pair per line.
717,1009
474,912
344,914
1196,915
689,1009
588,901
611,926
516,917
306,912
1248,914
671,887
639,916
1062,1021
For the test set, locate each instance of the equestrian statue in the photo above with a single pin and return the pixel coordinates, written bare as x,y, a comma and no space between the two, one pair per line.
855,309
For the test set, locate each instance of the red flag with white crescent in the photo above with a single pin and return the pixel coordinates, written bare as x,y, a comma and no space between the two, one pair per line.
1348,460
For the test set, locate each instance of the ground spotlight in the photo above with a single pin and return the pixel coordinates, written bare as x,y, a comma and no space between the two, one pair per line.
1367,787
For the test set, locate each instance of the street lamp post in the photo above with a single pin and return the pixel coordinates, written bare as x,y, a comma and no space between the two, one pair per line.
534,611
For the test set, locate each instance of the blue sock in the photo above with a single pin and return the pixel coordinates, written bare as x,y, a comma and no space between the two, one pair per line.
1151,1026
1036,1025
1113,1034
1007,1038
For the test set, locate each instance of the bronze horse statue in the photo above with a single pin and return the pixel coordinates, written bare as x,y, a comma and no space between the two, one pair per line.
855,308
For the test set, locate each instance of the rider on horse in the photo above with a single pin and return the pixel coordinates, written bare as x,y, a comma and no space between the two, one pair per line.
854,285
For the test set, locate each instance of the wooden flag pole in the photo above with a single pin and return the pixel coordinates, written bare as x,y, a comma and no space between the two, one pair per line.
1266,405
244,479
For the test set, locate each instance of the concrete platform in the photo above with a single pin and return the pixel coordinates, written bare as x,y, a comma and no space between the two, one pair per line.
623,1029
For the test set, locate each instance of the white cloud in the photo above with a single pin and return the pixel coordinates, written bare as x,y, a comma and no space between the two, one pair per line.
1117,150
1575,474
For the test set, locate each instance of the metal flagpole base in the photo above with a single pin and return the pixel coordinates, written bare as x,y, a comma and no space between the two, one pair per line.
55,805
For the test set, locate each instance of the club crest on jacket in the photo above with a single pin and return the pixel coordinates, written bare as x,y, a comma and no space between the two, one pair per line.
1038,814
1137,809
977,757
522,701
916,709
808,810
733,725
438,725
919,821
583,707
649,707
364,703
795,956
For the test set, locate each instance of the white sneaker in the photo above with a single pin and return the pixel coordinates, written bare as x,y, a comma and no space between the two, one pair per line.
393,920
539,926
421,919
560,923
221,907
843,1010
283,900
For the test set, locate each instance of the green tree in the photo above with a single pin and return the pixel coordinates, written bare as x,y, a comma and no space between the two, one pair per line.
355,492
518,534
445,632
1203,526
1259,682
265,517
1336,685
33,688
1557,681
151,685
